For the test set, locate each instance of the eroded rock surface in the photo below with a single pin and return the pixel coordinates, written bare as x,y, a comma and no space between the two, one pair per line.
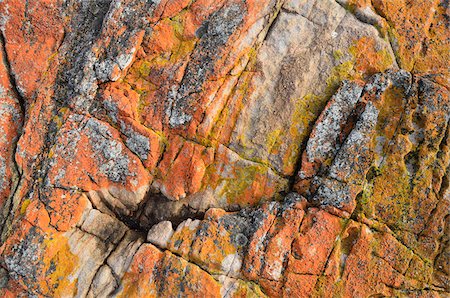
232,148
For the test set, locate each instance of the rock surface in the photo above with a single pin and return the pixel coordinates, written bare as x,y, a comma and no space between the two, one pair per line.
227,148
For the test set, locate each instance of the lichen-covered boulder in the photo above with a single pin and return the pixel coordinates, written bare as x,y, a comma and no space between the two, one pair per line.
230,148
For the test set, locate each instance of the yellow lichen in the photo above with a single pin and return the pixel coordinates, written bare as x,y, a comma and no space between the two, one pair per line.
306,110
242,182
274,141
24,206
51,153
59,263
338,54
343,71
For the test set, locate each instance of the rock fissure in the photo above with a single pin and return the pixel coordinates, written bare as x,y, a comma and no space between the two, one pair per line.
11,77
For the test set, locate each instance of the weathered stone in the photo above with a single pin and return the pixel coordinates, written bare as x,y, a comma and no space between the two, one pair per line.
104,283
299,147
11,118
160,234
32,33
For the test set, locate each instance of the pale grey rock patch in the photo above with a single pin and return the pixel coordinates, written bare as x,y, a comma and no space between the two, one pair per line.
136,142
294,62
107,228
91,252
120,259
160,234
103,284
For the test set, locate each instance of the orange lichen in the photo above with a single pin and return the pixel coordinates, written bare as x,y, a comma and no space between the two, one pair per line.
137,280
245,183
435,51
409,23
369,60
59,264
211,252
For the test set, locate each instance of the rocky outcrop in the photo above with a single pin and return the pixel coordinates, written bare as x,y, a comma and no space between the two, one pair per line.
228,148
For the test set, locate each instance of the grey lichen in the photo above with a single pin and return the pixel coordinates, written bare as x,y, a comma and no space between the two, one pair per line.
114,163
136,142
3,181
22,263
215,34
322,144
333,193
356,144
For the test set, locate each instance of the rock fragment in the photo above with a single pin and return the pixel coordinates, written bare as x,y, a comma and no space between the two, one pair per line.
160,234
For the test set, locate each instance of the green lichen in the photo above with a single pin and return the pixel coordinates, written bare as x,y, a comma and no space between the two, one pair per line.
237,183
242,181
306,111
343,71
145,68
274,141
178,24
338,54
